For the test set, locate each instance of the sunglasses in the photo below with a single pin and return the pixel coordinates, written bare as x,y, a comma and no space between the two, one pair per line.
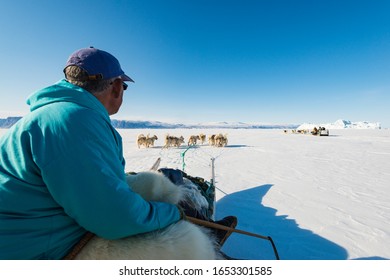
125,86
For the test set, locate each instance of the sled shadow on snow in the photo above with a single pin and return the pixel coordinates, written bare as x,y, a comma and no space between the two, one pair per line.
371,258
236,146
292,241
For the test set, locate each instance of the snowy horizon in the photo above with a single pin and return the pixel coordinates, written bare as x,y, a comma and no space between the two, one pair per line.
122,123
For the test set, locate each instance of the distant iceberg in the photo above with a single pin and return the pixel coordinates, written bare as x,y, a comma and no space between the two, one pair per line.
342,124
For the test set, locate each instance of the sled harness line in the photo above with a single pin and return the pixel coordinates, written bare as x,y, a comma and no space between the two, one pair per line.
218,226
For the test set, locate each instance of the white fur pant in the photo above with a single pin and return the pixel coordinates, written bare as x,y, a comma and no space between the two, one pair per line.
179,241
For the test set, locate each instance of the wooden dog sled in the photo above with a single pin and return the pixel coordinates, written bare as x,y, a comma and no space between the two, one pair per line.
321,131
207,190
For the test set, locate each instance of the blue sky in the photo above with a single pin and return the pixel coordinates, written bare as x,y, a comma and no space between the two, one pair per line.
265,61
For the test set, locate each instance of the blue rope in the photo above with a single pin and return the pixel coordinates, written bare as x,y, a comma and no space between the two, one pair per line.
183,155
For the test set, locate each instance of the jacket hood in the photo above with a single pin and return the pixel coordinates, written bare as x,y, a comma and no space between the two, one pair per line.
63,91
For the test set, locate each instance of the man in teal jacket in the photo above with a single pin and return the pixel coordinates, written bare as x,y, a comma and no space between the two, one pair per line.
62,168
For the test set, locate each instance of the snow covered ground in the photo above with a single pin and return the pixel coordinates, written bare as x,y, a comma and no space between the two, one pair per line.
319,198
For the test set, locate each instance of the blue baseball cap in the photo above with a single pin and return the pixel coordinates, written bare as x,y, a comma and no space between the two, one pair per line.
99,65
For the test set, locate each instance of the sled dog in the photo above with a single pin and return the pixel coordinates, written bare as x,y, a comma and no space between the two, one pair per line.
173,141
193,139
141,140
150,140
202,138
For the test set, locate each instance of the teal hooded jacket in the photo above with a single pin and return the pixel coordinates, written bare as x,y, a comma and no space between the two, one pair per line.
62,174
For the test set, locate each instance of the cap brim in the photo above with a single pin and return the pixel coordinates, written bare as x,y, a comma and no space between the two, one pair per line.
124,77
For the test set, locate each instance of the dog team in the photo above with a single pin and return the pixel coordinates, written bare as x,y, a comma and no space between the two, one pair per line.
216,140
321,131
